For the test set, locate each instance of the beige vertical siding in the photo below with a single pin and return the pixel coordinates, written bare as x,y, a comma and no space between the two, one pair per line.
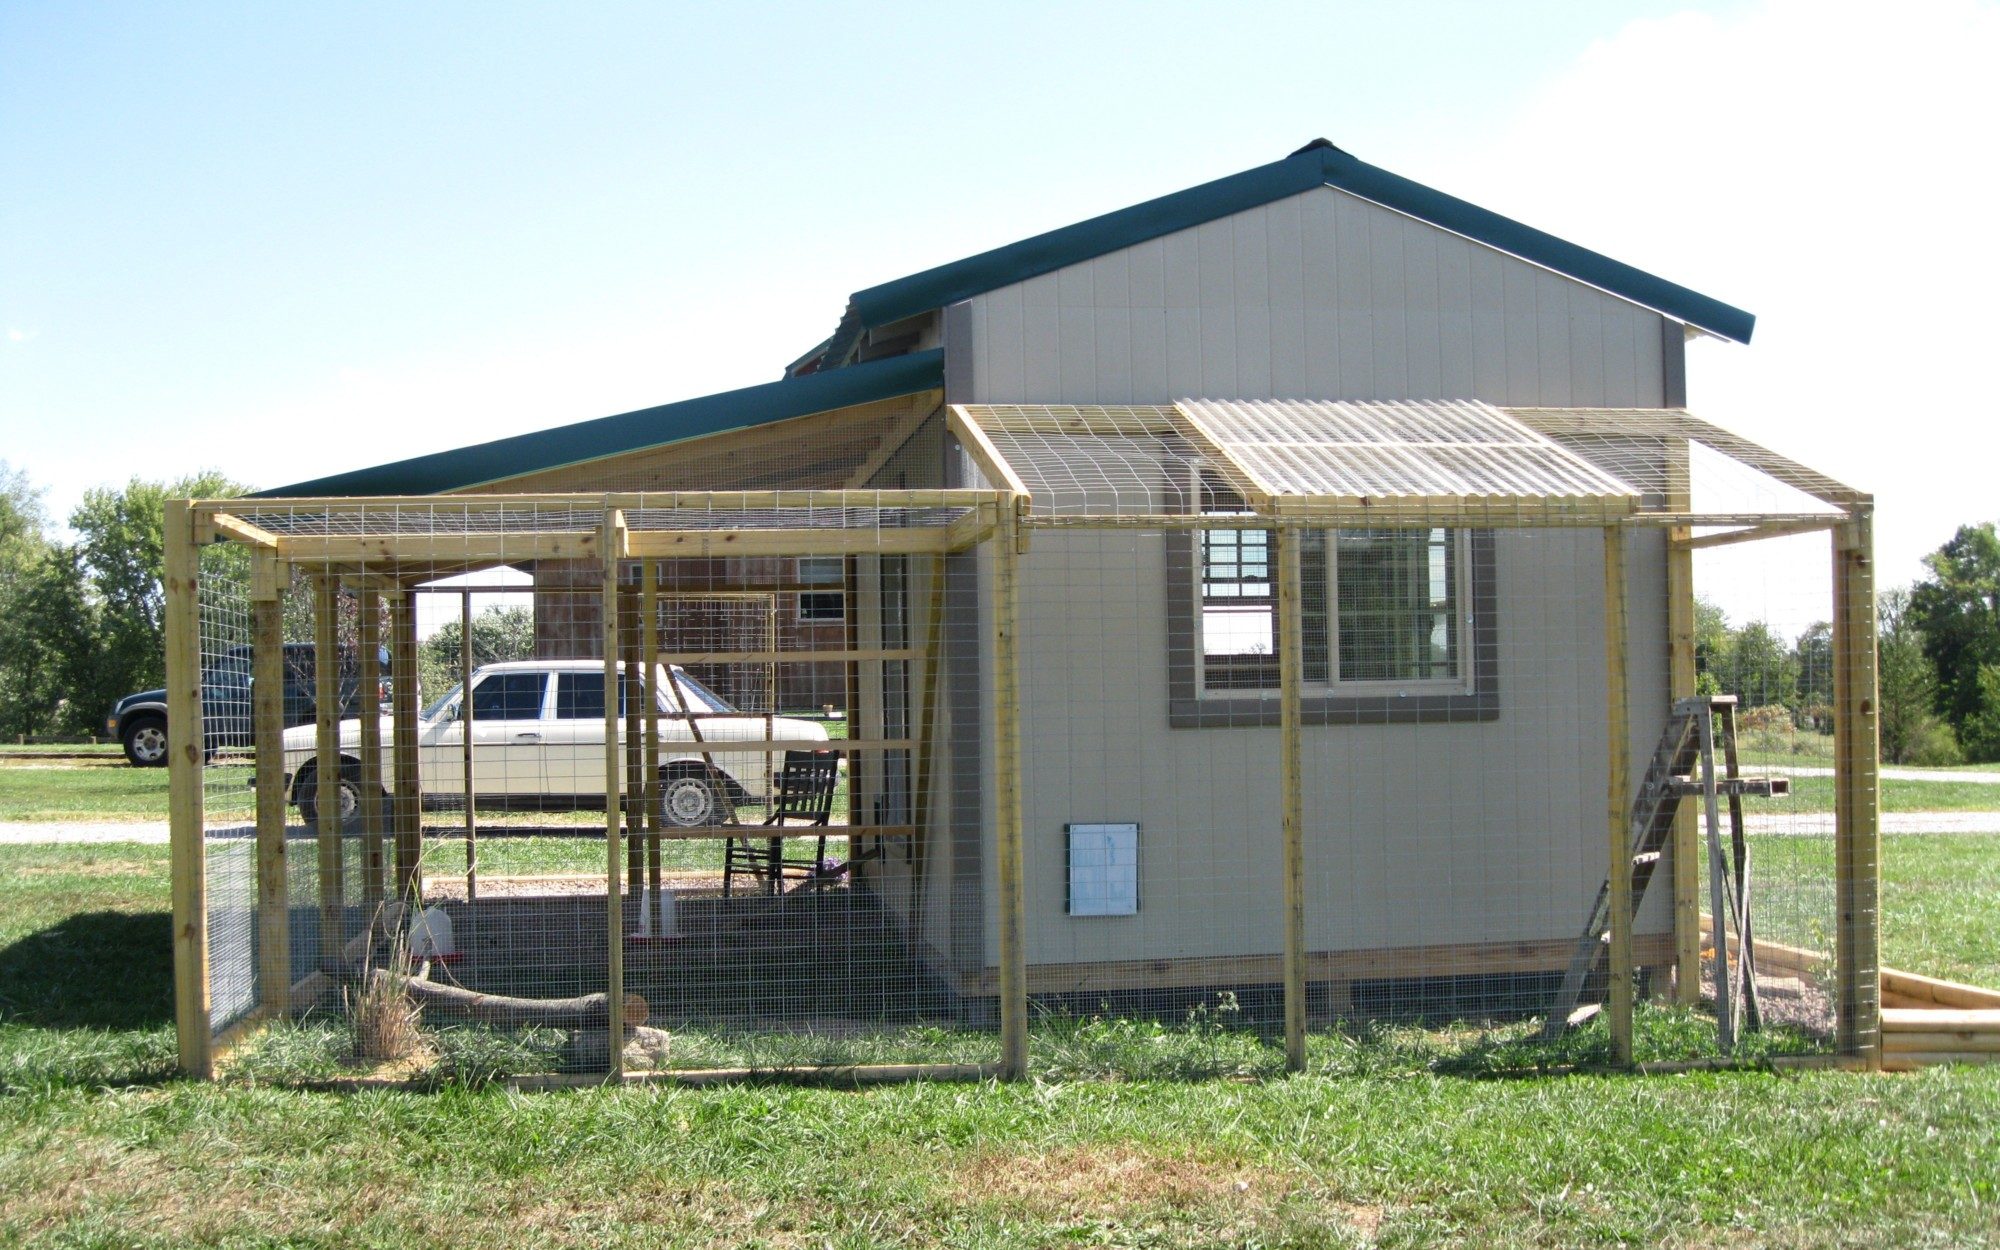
1323,295
1417,834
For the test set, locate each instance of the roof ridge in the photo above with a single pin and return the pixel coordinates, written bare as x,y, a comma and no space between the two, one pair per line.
1318,163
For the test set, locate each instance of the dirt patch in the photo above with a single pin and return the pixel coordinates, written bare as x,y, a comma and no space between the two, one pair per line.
1103,1180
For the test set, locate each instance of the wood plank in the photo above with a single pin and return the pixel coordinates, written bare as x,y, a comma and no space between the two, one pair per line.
239,530
1857,837
828,541
834,656
189,872
1003,624
267,716
613,540
1681,682
1682,541
1291,677
700,500
1397,962
1934,990
1618,734
406,804
758,833
772,746
326,754
470,548
368,642
1904,1019
972,437
1965,1040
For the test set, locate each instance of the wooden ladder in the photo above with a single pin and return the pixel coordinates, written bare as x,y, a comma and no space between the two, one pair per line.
1684,766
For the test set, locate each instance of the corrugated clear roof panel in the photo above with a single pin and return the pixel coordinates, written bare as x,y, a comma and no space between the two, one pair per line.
1396,449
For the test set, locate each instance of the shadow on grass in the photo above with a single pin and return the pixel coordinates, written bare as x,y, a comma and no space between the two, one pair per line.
102,970
88,1002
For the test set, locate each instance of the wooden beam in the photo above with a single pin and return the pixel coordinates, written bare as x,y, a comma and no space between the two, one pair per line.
467,710
869,540
184,799
1857,835
832,656
1291,677
470,548
267,718
1687,542
614,897
892,442
326,771
368,641
774,746
972,437
240,530
1617,799
759,833
973,528
1681,681
1003,626
407,802
1382,963
700,500
1253,490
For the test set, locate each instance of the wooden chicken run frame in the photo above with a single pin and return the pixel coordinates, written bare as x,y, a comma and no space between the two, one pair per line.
1518,469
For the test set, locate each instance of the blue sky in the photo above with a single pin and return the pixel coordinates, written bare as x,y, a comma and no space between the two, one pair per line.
283,240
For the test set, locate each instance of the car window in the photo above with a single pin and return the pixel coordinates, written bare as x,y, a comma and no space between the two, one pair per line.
509,696
580,696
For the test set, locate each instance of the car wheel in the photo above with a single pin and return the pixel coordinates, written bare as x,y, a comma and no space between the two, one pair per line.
146,741
689,800
347,797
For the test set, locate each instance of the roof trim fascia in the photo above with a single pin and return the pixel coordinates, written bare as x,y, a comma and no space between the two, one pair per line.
1313,166
543,450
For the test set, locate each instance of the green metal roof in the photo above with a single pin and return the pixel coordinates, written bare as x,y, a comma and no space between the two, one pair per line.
632,431
1318,164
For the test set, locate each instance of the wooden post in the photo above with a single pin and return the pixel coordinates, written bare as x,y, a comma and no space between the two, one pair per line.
926,752
1681,679
1618,748
1857,836
184,800
633,740
612,546
1005,619
368,641
408,801
267,717
465,744
649,777
1291,676
326,709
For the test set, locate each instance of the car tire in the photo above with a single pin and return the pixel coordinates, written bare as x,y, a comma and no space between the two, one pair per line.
145,739
348,792
691,800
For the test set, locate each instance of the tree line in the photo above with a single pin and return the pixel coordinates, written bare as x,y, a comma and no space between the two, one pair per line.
83,617
1937,659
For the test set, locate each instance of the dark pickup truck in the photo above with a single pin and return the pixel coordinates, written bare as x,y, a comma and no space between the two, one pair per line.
139,721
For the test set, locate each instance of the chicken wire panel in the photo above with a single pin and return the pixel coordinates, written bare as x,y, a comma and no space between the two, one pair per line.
228,799
490,858
1455,719
1100,461
1395,449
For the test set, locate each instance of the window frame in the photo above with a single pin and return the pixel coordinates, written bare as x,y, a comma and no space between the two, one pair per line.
1473,695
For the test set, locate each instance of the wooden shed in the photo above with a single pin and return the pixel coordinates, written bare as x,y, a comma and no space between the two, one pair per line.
1282,589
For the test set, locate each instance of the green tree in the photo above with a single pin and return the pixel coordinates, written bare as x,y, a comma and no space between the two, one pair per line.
1957,608
1912,732
1760,668
498,634
1711,647
49,680
1813,654
120,538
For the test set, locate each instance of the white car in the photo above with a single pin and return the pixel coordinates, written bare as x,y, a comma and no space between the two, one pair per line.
538,742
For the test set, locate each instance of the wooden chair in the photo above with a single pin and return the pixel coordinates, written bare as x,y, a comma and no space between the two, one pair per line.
804,796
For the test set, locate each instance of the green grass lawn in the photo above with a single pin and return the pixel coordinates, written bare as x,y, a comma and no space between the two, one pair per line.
100,1147
86,790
